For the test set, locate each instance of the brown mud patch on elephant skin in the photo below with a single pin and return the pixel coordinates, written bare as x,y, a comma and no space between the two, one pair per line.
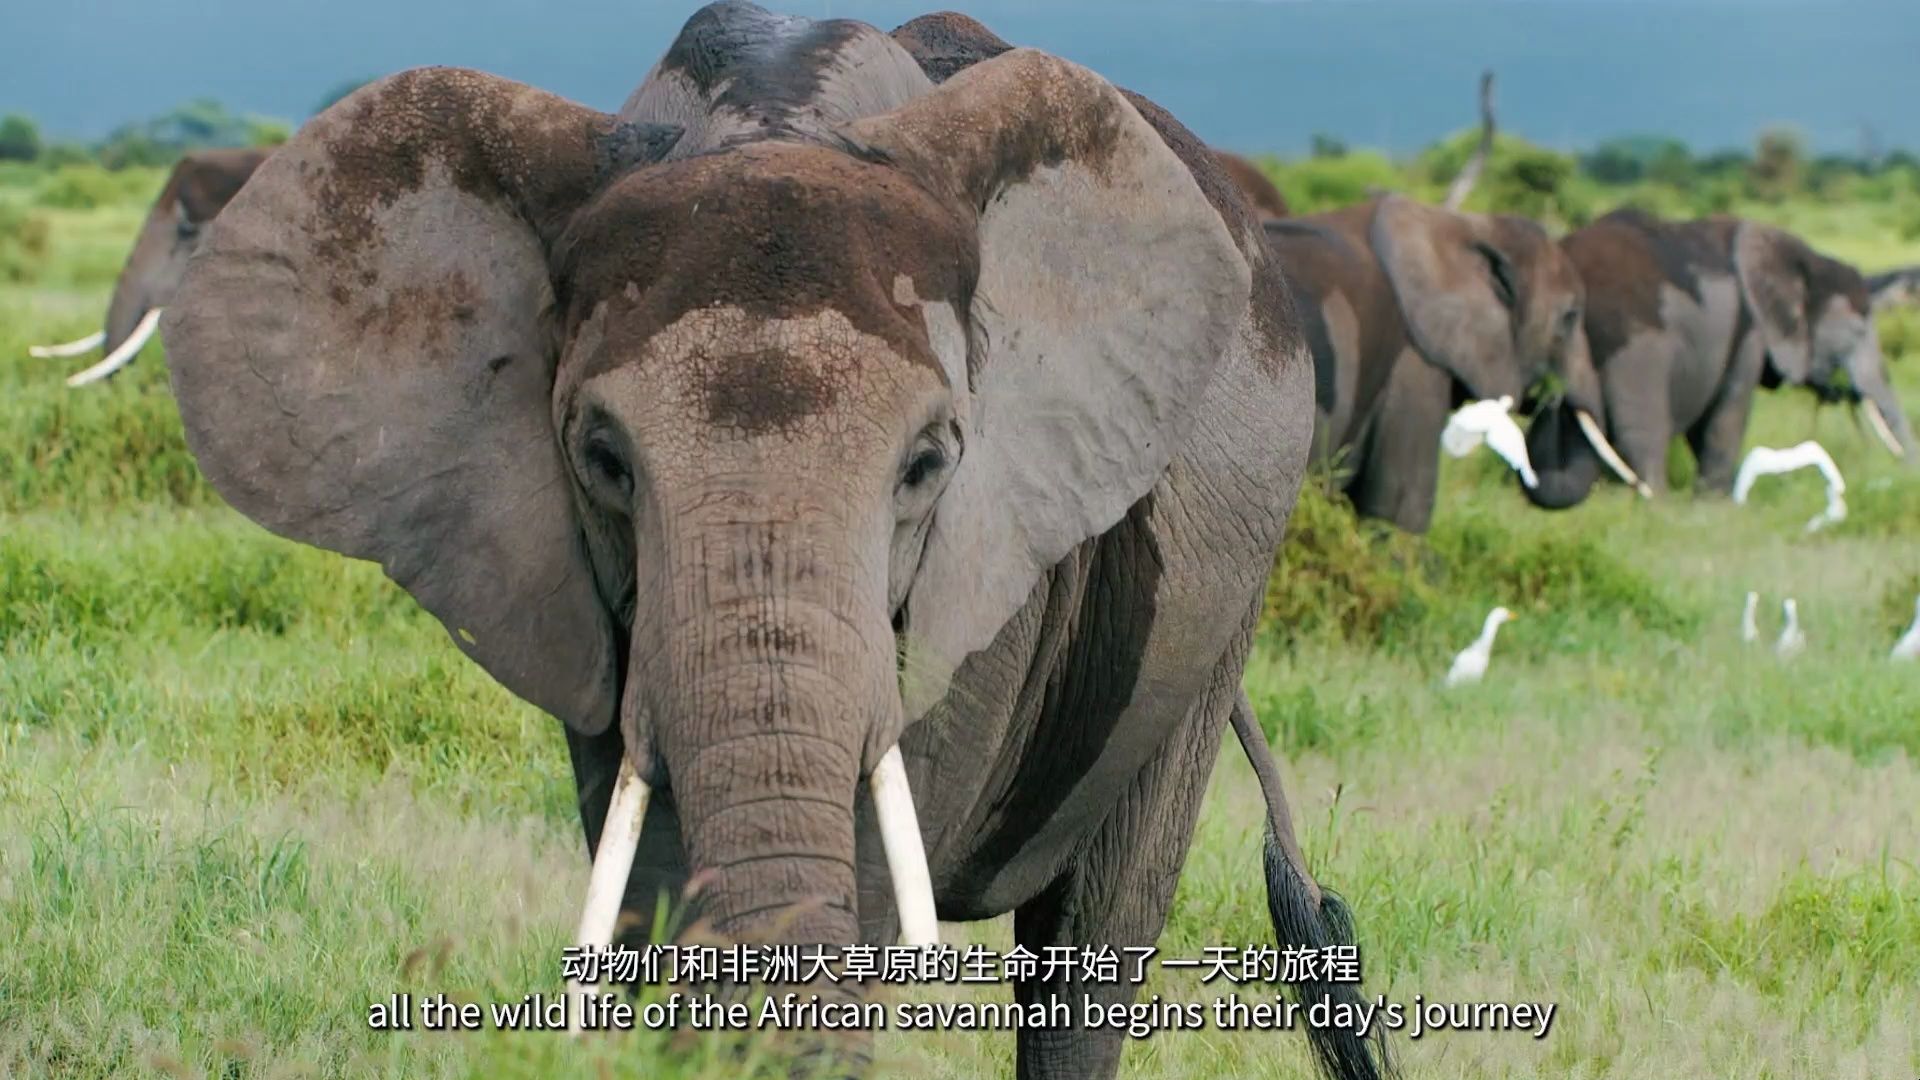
496,140
779,230
947,43
760,391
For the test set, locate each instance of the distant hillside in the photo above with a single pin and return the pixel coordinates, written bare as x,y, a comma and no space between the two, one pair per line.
1243,73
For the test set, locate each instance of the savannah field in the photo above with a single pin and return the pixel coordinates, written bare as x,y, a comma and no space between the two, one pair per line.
247,788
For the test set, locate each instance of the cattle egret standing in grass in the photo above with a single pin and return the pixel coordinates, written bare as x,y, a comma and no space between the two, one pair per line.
1488,422
1908,647
1749,630
1766,461
1471,664
1792,640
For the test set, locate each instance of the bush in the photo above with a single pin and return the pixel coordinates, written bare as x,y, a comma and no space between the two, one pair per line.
1341,578
1328,183
23,244
89,187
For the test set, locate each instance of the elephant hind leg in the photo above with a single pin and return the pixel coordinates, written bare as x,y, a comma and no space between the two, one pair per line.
1307,916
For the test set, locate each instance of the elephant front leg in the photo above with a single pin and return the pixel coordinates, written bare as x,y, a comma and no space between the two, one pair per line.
1116,892
1717,436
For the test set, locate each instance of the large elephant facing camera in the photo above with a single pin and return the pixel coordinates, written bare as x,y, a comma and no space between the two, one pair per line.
804,415
1412,310
1685,320
201,184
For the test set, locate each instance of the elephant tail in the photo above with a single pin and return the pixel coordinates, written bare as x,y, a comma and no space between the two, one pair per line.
1305,916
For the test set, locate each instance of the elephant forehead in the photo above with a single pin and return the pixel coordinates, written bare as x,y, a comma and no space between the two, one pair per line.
814,380
777,231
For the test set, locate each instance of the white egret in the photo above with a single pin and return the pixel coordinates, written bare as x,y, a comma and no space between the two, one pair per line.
1471,664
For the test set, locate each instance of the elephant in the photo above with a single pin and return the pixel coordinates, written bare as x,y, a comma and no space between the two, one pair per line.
1411,310
1893,288
1253,183
849,415
201,184
1685,319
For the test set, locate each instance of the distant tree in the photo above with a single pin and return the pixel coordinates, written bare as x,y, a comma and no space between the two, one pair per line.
1779,162
1635,158
195,124
1327,146
331,97
19,138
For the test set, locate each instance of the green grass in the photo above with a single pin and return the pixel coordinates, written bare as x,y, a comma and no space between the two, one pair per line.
247,789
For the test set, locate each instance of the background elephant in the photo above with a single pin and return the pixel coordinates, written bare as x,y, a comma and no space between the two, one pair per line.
802,410
1685,320
1412,310
201,184
1253,183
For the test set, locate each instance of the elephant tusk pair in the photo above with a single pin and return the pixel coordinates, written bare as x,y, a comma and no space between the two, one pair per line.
123,355
66,349
1878,420
627,810
1591,429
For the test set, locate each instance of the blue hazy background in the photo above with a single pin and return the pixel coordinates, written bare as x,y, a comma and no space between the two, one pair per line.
1245,74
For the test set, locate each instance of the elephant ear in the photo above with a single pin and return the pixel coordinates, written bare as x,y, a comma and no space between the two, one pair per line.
1108,291
1771,267
363,355
208,180
1457,292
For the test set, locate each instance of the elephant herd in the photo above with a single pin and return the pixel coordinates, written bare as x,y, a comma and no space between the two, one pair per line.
872,447
1620,336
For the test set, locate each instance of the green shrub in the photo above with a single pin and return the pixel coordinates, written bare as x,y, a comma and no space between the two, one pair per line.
89,187
23,244
1341,578
1328,183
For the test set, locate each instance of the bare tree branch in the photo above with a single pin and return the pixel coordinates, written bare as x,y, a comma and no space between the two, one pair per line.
1470,174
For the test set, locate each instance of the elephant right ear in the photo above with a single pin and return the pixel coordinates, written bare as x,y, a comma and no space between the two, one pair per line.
1772,269
364,353
1457,292
1109,290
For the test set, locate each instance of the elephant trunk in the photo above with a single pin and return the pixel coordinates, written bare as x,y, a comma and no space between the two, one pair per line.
1867,370
1563,459
774,681
135,292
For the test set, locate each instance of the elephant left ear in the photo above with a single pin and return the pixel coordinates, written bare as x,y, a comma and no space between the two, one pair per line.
209,179
1457,292
1771,267
1108,290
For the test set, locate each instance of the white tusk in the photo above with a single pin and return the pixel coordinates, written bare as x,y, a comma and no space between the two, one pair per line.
71,348
906,855
123,355
1598,439
1879,421
612,862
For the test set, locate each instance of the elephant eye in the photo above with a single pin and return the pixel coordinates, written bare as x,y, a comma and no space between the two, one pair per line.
924,464
608,467
186,229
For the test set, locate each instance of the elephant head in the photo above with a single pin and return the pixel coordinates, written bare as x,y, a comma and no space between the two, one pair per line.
1815,316
1491,300
1260,192
699,419
202,183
